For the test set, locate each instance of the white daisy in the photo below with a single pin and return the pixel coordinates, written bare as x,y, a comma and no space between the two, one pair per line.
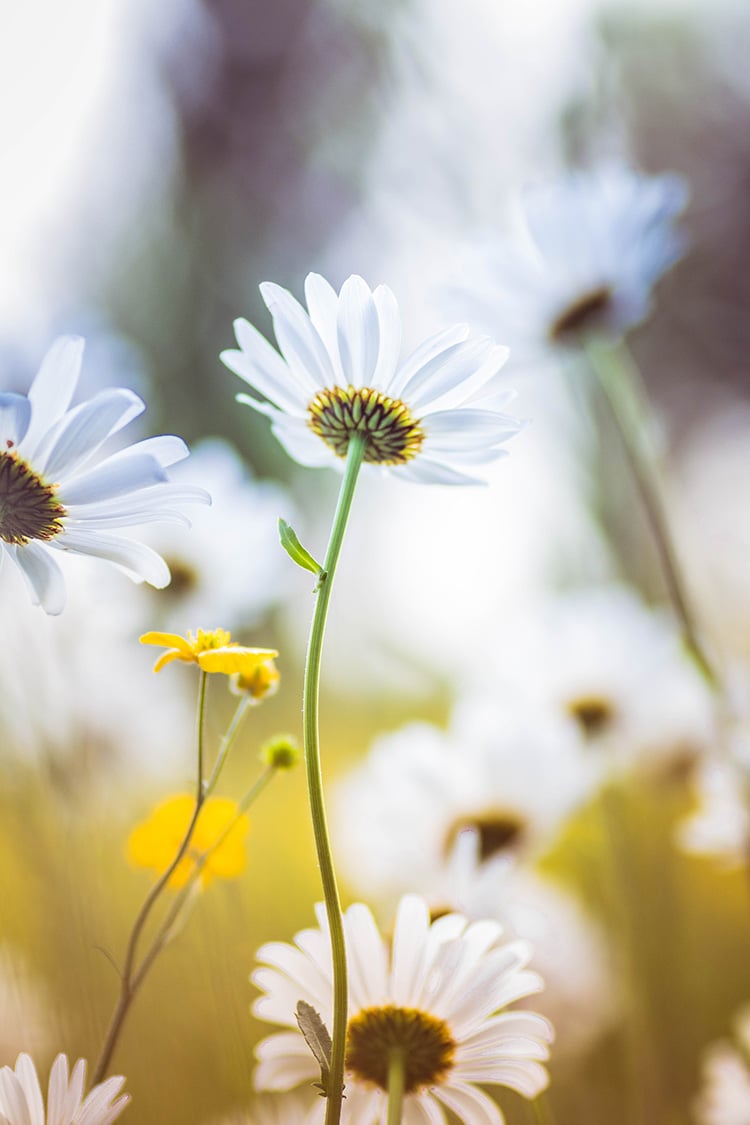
58,491
22,1102
438,995
512,777
725,1098
720,826
601,658
294,1107
434,417
225,567
570,950
585,256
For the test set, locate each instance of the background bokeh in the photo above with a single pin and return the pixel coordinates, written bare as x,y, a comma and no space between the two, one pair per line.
160,161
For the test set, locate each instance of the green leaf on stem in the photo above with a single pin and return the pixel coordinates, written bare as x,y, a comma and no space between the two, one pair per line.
295,550
316,1036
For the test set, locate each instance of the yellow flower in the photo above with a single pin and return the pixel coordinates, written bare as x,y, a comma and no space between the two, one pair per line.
263,680
212,650
154,843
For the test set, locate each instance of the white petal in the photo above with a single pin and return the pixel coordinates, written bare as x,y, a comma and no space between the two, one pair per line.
43,576
70,443
262,367
298,339
53,388
27,1076
113,478
323,304
467,428
15,415
368,962
13,1099
425,353
96,1109
166,448
390,338
469,1104
303,446
137,560
60,1108
423,471
358,332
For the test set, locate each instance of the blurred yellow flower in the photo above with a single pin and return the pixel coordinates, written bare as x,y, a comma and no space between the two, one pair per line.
213,650
154,843
261,681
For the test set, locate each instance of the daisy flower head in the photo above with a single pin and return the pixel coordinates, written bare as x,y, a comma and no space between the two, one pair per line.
59,491
434,417
22,1101
725,1097
583,260
436,995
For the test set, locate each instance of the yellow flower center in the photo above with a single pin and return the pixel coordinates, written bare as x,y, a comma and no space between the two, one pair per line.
498,831
423,1040
29,508
579,317
393,435
592,713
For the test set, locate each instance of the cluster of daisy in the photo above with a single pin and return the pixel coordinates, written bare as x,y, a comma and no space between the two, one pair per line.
446,829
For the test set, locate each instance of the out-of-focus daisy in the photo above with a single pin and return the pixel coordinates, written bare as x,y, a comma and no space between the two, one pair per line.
725,1097
22,1101
511,777
583,261
294,1107
89,725
569,948
720,826
213,650
225,567
28,1017
434,417
58,490
438,995
154,843
602,659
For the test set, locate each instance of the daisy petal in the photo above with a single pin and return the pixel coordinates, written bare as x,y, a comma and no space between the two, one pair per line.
136,559
42,574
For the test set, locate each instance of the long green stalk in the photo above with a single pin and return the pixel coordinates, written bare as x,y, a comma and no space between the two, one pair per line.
310,707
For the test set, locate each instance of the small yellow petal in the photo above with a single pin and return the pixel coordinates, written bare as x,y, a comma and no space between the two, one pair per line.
235,658
167,640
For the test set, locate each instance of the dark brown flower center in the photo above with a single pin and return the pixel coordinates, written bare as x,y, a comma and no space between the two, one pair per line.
423,1041
593,713
498,831
582,315
29,508
393,435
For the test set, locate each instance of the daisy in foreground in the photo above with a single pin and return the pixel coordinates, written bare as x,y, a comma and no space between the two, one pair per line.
583,259
426,1024
57,489
434,417
22,1102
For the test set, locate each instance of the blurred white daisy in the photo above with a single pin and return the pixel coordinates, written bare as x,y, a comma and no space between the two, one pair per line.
720,826
511,776
293,1107
28,1017
725,1097
602,659
58,491
583,261
227,566
434,417
570,951
22,1102
437,995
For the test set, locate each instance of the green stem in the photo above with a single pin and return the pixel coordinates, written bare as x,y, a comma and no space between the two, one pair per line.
311,693
128,982
396,1086
621,383
541,1110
